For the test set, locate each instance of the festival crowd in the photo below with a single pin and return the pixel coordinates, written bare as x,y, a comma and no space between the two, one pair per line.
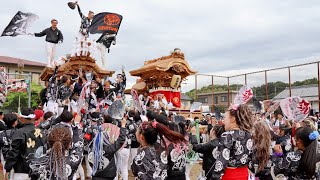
84,130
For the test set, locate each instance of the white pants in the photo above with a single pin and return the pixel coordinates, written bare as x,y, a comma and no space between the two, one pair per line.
80,36
133,153
80,173
122,163
52,106
51,51
3,164
204,138
89,169
20,176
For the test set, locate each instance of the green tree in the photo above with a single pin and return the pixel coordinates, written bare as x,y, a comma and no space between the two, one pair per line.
12,101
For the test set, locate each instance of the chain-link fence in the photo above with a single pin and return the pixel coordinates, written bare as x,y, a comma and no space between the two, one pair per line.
270,84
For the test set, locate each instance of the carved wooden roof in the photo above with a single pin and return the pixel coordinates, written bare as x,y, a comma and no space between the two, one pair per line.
86,63
175,62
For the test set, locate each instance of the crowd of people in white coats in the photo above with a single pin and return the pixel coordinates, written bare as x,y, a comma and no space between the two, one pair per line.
91,142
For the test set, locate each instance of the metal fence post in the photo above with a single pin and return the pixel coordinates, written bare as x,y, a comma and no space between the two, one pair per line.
229,91
318,86
289,71
266,81
29,92
245,79
212,93
196,89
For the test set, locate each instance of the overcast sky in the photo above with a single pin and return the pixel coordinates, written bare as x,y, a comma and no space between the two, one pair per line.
218,37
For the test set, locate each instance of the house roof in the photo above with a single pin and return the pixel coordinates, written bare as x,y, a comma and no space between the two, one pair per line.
308,92
217,93
12,60
185,97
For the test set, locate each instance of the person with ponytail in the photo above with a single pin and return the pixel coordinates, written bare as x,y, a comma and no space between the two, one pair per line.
234,145
151,161
55,164
300,164
64,156
261,161
177,153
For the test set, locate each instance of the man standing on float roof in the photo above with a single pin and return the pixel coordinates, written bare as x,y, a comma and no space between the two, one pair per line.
53,37
85,22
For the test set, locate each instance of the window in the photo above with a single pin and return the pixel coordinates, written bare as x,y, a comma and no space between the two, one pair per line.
224,98
215,99
203,100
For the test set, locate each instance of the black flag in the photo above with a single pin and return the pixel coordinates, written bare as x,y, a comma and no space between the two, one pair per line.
108,25
19,24
105,22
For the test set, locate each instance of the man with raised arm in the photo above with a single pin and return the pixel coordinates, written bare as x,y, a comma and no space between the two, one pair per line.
53,37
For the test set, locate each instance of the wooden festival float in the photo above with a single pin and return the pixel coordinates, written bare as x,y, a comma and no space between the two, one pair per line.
73,63
164,76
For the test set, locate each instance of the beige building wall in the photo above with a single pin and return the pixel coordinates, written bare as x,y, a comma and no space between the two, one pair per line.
35,71
220,98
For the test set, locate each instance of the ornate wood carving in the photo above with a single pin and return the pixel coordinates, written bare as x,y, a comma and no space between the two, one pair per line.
72,66
159,72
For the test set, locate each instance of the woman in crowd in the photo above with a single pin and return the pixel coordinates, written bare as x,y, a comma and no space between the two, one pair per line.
151,160
209,150
309,123
261,161
177,153
300,164
57,163
235,145
11,121
284,138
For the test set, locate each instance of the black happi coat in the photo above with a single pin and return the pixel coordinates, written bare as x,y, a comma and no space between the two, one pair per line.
209,151
234,150
132,127
108,168
6,140
285,142
85,23
2,125
52,90
177,161
64,92
120,87
288,166
41,166
150,163
25,142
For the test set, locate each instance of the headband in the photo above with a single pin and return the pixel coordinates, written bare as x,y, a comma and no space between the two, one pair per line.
235,106
154,124
30,116
145,125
